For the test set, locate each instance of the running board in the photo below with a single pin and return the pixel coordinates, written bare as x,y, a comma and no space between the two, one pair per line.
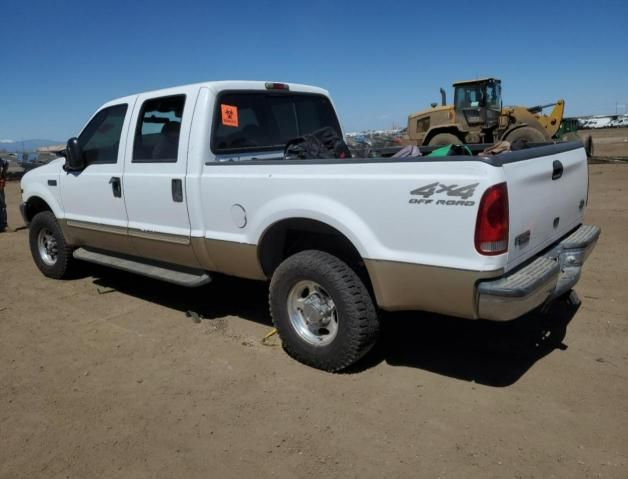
189,278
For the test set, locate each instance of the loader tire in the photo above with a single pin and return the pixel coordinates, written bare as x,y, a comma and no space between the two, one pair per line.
444,139
528,134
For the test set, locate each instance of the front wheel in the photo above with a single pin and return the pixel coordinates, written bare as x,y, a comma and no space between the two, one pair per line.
323,312
50,252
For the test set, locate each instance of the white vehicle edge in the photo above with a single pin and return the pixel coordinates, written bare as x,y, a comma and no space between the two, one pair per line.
405,234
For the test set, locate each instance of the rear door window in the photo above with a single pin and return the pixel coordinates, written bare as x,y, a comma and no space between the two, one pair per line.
258,121
158,130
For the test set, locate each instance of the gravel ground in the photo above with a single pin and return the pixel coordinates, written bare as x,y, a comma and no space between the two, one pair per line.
106,376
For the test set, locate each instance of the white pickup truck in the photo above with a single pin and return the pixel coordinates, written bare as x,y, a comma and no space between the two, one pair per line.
180,183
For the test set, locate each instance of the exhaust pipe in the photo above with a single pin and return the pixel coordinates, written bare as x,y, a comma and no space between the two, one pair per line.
443,97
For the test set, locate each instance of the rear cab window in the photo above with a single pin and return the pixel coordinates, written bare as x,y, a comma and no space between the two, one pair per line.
257,121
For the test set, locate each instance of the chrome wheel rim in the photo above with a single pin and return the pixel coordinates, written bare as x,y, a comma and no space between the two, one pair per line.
312,313
47,246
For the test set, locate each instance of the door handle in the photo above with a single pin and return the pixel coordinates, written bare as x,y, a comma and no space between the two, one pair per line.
558,170
177,191
116,186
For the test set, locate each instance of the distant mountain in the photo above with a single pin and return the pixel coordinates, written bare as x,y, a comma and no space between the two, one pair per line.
26,145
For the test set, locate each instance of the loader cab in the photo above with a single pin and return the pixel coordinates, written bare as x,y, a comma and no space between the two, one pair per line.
479,102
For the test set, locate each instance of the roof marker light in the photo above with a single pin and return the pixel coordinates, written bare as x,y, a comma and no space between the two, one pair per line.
277,86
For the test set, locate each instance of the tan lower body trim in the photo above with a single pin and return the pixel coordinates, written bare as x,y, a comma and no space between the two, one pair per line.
110,238
85,225
235,259
157,236
397,286
228,257
163,250
174,249
406,286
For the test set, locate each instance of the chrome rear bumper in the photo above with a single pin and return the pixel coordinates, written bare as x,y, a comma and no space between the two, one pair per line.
545,278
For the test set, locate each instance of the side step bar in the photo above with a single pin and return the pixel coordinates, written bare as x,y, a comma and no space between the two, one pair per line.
189,278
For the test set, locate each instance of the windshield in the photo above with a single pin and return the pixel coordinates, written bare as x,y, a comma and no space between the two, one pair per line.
469,96
476,95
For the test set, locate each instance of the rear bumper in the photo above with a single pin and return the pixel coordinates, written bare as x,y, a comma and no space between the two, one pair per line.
548,276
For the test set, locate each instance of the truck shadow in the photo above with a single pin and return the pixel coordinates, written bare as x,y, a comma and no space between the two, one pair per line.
485,352
224,296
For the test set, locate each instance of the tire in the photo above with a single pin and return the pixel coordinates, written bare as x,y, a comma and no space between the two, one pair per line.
444,139
527,133
50,252
310,288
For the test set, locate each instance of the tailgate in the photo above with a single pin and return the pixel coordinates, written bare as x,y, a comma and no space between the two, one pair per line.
544,204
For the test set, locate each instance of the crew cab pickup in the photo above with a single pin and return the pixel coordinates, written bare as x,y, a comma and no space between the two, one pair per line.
182,183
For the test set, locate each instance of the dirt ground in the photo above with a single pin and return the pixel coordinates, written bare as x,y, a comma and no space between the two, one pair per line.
105,376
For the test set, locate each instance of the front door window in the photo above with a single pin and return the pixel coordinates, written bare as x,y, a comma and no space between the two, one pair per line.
100,140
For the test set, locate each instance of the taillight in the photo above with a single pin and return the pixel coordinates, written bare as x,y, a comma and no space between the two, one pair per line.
491,228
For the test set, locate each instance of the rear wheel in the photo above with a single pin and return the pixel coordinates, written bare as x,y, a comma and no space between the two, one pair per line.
323,312
444,139
50,252
526,133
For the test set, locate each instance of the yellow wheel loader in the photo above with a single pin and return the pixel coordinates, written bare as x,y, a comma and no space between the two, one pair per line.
477,116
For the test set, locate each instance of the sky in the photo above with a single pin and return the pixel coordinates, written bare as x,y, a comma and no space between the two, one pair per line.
380,61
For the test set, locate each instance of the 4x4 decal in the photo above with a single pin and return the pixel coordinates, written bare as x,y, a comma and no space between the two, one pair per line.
464,192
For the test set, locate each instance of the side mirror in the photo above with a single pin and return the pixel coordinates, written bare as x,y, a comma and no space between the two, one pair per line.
74,156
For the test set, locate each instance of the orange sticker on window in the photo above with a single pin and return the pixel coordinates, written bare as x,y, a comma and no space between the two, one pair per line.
229,115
